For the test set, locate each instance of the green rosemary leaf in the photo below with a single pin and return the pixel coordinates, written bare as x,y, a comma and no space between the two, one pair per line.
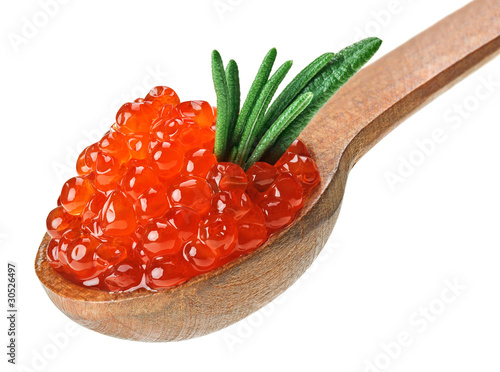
291,112
232,153
294,88
257,85
233,84
221,89
327,82
253,125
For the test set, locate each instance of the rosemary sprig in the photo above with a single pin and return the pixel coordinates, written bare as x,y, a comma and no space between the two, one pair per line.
326,83
290,113
257,85
222,122
233,84
252,127
262,131
294,88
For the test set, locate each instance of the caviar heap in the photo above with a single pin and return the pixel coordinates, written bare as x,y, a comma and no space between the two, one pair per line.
151,207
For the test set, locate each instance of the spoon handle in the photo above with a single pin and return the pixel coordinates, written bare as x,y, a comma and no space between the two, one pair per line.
389,90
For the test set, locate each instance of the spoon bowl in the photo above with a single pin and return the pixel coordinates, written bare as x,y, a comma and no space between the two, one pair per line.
367,108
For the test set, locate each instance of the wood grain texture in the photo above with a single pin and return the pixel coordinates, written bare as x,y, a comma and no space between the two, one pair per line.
375,101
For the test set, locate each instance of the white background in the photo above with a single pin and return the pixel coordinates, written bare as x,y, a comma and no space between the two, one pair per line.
394,247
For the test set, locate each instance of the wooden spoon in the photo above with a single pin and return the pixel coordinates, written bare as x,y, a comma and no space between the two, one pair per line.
375,101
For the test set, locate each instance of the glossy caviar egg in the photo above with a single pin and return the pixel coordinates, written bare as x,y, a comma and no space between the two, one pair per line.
75,194
166,111
207,136
185,220
303,167
166,160
287,187
166,272
81,165
123,276
198,162
80,257
52,254
135,117
138,145
93,207
220,233
91,156
137,180
85,163
193,192
236,203
201,256
169,128
152,203
277,212
252,231
117,216
107,172
115,144
160,238
62,249
227,176
161,96
260,177
199,111
298,147
109,254
139,255
59,221
190,137
151,207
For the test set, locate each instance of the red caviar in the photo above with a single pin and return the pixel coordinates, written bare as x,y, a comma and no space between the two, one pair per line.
151,207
